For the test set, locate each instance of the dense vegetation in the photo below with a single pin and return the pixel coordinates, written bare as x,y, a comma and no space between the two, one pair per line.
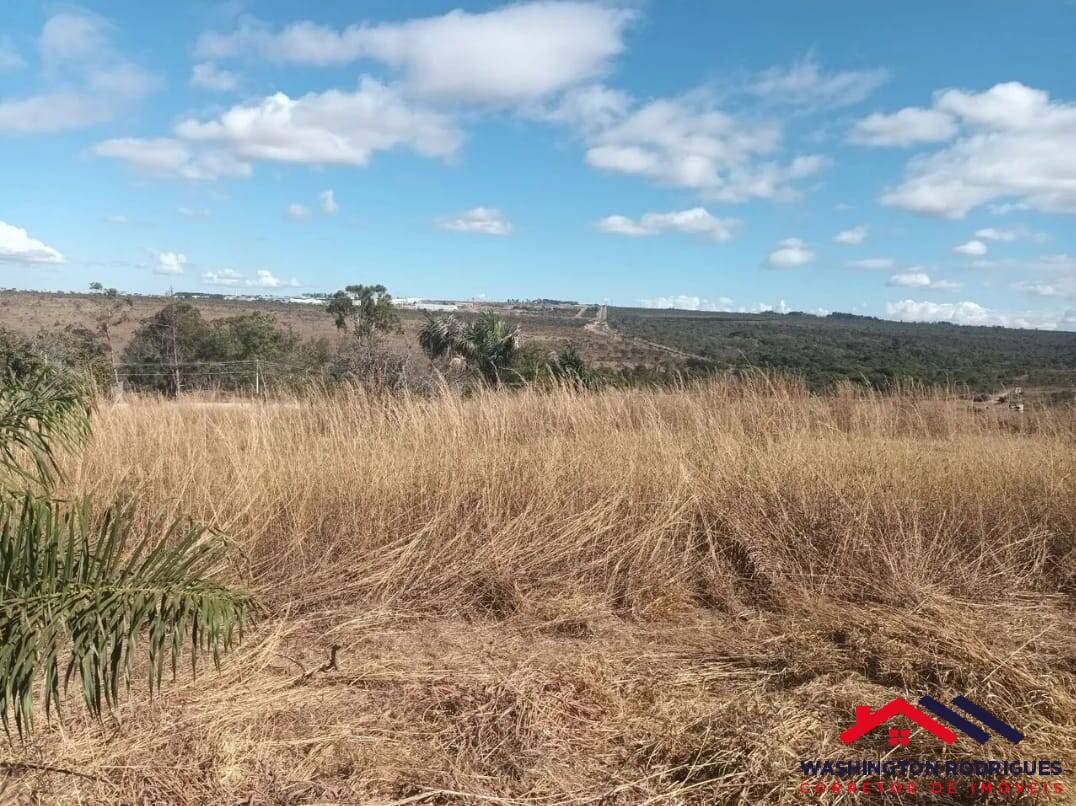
72,347
360,336
225,353
858,348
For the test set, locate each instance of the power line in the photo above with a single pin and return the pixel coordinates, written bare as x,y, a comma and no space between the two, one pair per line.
254,372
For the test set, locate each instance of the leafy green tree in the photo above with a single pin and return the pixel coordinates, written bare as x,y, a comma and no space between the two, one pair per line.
248,336
175,335
374,314
368,309
176,343
341,308
78,595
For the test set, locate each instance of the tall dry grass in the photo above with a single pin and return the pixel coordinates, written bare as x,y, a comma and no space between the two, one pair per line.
622,596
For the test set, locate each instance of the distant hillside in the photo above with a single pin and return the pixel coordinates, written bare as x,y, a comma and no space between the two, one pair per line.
842,346
656,345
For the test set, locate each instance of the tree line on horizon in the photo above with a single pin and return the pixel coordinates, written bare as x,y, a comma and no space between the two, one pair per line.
177,349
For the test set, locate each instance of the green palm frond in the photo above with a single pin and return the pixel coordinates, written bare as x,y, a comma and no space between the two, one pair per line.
76,600
38,414
439,336
491,344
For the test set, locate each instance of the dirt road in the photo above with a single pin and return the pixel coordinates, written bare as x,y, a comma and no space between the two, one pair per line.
601,326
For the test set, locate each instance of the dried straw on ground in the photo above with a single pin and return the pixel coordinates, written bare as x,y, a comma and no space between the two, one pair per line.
618,597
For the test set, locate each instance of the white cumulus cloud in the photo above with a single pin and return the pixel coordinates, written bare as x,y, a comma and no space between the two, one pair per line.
685,302
481,220
994,234
165,156
972,313
170,263
331,128
852,237
917,278
1014,234
518,53
1063,287
696,221
298,211
688,142
907,127
1013,147
959,313
971,248
789,254
230,278
16,246
266,279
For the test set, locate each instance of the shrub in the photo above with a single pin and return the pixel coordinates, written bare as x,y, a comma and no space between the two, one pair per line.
79,350
74,350
17,357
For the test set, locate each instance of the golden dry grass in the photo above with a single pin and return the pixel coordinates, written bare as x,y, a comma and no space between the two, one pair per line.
619,597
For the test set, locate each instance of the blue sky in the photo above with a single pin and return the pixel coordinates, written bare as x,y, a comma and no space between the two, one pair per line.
911,160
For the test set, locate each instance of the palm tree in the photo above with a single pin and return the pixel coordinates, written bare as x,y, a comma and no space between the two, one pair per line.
77,595
440,336
488,343
571,367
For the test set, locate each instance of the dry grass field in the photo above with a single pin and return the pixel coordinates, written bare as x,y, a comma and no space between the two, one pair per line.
620,597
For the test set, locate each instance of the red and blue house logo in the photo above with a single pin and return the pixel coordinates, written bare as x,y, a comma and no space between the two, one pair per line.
867,720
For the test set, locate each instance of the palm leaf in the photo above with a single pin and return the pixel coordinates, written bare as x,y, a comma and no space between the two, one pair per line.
76,600
490,344
38,414
440,336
